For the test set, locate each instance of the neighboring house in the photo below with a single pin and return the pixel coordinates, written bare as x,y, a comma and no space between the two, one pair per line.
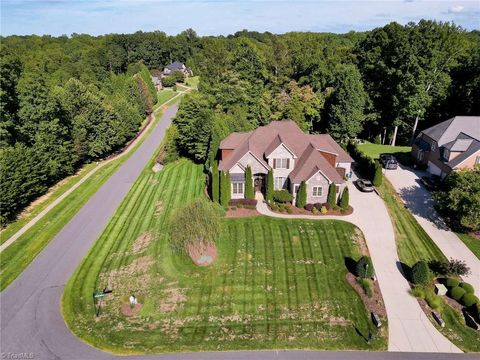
451,145
177,66
292,155
157,82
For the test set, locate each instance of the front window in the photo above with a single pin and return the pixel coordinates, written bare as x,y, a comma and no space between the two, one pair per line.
281,163
280,183
434,146
237,188
317,191
420,155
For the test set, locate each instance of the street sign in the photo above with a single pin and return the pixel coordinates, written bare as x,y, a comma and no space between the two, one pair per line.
100,295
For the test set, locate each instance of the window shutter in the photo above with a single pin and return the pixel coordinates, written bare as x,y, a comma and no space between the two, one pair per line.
274,163
288,163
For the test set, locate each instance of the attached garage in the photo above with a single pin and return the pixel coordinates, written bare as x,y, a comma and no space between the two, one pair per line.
434,169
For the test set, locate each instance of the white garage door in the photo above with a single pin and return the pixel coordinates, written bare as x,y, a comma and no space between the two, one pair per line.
434,169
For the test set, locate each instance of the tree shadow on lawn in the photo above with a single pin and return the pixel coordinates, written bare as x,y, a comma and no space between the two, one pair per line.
405,270
350,264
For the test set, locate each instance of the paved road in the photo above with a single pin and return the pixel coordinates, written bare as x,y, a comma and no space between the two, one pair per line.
408,327
419,201
31,323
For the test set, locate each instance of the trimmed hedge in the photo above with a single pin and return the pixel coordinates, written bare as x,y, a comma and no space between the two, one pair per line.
469,300
236,202
282,196
452,282
457,293
467,287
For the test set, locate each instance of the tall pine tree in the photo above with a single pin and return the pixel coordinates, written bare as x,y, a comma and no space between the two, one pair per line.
249,193
301,199
215,183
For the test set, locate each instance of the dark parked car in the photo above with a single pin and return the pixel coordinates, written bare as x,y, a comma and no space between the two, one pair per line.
388,161
364,185
431,183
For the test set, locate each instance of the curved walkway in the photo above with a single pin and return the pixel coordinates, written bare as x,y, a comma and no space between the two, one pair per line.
409,329
420,203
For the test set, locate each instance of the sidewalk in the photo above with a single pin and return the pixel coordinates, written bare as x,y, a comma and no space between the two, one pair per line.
409,329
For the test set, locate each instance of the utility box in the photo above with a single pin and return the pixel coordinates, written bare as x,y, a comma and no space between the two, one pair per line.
441,289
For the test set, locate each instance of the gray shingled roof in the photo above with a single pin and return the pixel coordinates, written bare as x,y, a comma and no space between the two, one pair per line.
176,65
472,149
449,130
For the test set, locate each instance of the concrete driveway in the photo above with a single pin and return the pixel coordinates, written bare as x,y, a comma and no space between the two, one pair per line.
409,329
419,201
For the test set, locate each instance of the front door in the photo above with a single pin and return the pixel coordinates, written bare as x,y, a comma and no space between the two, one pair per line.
259,182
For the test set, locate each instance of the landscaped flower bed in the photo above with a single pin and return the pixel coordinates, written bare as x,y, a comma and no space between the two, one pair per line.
310,209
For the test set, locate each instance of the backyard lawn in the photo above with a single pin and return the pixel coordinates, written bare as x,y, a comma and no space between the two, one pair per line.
374,150
275,284
192,81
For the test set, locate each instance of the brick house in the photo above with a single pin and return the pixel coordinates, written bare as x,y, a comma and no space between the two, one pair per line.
448,146
292,155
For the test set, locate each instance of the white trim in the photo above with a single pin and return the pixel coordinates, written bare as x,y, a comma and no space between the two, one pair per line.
261,162
321,172
328,152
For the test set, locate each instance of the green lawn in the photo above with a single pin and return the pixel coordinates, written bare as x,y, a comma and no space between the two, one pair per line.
16,257
374,150
163,96
472,243
275,284
413,243
54,193
192,81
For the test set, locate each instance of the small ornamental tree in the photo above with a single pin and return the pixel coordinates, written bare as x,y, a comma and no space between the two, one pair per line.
215,183
301,199
420,273
194,225
344,200
378,176
249,193
456,293
467,287
270,189
364,267
332,195
453,267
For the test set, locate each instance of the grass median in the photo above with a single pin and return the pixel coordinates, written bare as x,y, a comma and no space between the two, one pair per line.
276,283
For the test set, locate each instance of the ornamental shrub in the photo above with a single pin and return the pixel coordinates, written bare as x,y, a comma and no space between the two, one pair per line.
289,210
345,199
452,282
323,210
315,211
168,81
456,293
309,207
301,199
365,284
420,273
282,196
215,187
453,267
249,193
332,195
364,267
378,176
317,206
469,300
274,207
467,287
433,300
270,188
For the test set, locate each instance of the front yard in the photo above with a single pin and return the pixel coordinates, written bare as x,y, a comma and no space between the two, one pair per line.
275,284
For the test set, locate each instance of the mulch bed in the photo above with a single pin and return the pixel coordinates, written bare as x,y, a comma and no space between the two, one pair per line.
299,211
373,304
241,212
203,255
129,310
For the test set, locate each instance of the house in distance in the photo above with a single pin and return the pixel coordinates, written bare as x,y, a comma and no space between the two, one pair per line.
293,156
